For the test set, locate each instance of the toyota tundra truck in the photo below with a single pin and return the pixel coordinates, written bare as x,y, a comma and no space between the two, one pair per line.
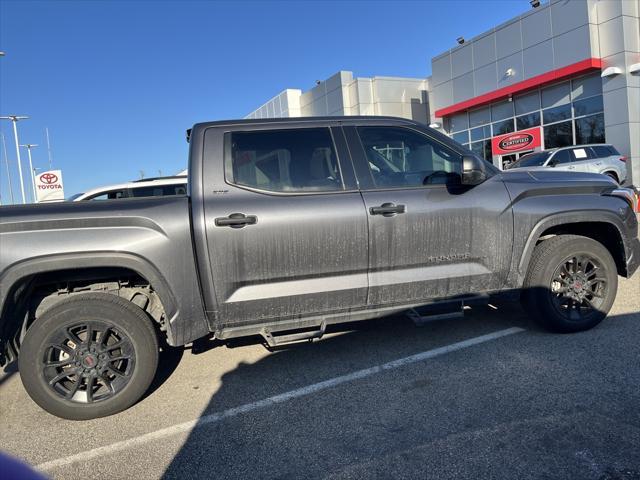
287,226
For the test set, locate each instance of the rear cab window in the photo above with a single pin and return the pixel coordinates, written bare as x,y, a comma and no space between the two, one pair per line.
300,160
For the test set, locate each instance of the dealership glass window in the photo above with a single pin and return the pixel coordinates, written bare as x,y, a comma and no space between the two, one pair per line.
480,133
558,135
555,95
586,87
527,121
588,106
461,137
482,149
459,122
500,111
421,157
295,160
527,103
590,129
556,114
505,126
566,101
479,117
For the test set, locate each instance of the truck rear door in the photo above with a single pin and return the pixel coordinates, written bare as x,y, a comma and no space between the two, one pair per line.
286,226
429,236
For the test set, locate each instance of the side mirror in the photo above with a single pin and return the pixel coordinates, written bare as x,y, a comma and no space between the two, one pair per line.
473,172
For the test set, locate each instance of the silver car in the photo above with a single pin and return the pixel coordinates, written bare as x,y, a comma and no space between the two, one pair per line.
597,158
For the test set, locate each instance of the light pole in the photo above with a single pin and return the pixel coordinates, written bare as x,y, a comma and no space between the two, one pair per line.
14,119
6,162
29,146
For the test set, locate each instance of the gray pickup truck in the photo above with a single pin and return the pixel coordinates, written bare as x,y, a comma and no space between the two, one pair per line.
288,226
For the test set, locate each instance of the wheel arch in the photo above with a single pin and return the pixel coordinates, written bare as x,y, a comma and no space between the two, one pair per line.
602,226
18,281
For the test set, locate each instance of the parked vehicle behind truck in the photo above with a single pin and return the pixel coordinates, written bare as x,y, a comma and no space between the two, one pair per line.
291,225
597,158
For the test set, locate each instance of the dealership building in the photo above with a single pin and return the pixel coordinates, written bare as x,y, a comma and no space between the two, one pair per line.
566,72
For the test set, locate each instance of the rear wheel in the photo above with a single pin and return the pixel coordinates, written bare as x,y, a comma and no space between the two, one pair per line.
571,283
89,356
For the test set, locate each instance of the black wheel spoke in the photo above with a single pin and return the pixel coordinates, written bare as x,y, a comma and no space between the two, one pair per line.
73,337
115,371
91,379
74,388
89,334
118,344
121,357
105,336
60,376
59,363
107,383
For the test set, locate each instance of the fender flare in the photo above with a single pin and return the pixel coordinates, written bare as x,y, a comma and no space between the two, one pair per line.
12,275
590,216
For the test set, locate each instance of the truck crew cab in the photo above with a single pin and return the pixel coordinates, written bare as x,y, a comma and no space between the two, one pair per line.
289,225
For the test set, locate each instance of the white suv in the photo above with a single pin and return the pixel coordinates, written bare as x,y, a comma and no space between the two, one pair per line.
597,158
147,187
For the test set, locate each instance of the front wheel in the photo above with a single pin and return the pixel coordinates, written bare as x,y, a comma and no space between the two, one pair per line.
89,356
571,283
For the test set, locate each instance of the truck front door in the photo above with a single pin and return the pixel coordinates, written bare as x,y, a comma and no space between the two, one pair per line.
429,236
286,225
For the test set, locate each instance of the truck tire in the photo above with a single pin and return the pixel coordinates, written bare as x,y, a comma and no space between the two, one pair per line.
571,283
89,356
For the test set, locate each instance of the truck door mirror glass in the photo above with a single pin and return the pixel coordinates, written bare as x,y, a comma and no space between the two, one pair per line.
473,171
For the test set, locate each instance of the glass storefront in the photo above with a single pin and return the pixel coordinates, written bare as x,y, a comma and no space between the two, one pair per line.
569,112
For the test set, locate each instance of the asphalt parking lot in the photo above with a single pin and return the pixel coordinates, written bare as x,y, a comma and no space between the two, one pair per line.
485,396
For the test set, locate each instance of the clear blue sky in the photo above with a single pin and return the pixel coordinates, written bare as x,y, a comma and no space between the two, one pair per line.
118,82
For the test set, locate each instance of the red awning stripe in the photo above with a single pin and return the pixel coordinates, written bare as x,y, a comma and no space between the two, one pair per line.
537,81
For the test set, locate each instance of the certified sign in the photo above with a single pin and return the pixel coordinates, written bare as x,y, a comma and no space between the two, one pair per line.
49,186
516,141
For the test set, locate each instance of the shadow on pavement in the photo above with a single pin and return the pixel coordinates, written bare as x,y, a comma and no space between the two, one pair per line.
314,436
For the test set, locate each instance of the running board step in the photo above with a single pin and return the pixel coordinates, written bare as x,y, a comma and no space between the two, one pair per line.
274,339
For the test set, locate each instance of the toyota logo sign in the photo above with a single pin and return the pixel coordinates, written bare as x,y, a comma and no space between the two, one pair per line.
49,186
48,178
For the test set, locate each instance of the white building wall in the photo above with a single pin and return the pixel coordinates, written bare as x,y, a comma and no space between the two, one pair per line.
341,94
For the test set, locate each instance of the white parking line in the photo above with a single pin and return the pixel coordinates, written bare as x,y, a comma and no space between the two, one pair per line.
267,402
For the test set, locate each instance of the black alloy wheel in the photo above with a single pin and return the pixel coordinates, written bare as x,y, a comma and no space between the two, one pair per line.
88,356
578,288
88,362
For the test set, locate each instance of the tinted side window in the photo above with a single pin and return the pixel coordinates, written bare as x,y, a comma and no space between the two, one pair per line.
159,190
602,151
399,157
112,195
296,160
562,157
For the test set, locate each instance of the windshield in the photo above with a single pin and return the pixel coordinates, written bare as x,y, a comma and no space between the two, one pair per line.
532,160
